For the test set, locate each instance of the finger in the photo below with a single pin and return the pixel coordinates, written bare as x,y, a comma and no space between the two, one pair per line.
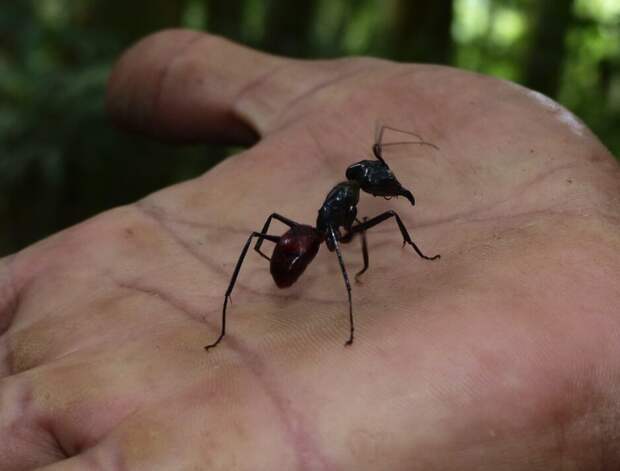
8,308
180,85
78,463
100,457
27,440
69,405
7,298
190,86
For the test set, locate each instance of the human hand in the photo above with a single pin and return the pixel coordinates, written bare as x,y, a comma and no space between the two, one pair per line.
503,355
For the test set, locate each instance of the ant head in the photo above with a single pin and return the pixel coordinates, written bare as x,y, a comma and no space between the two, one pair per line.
365,170
293,253
376,178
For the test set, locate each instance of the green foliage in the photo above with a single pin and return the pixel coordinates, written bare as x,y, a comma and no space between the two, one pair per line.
61,161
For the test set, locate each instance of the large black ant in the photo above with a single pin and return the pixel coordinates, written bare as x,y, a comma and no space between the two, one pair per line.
298,246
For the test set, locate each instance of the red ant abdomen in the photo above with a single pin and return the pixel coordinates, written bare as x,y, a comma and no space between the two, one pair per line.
293,253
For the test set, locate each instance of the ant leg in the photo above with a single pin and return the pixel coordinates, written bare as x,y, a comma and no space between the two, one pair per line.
231,285
364,253
347,237
346,282
403,230
280,218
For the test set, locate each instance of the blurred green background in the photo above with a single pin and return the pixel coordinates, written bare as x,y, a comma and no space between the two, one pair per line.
61,161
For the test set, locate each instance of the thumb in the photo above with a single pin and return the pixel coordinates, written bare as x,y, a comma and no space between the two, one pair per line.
190,86
182,85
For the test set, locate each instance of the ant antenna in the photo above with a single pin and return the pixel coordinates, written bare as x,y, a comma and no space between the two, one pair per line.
422,143
378,145
380,129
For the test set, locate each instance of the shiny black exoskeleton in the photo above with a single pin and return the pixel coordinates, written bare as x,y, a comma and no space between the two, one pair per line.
376,178
336,223
338,210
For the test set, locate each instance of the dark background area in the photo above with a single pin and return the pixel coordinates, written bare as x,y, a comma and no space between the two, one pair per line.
61,160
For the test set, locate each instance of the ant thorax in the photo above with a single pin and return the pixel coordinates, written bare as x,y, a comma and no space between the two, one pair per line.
339,208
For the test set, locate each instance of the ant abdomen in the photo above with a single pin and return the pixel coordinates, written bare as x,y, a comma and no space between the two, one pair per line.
293,253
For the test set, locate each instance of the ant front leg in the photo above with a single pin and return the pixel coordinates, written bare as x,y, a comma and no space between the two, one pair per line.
364,255
334,239
231,285
346,238
403,230
280,218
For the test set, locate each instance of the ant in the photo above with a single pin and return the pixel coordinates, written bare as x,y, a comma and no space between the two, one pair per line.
297,247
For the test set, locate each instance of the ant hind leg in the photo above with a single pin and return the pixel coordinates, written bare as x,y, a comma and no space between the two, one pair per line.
233,279
282,219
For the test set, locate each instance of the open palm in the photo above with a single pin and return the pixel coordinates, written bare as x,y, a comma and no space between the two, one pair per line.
502,355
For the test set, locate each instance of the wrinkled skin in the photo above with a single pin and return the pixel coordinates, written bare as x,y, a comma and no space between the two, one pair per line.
503,355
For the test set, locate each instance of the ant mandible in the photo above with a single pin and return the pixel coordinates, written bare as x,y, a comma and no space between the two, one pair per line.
298,246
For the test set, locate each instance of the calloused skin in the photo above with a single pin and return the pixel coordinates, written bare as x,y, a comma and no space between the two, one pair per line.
502,355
